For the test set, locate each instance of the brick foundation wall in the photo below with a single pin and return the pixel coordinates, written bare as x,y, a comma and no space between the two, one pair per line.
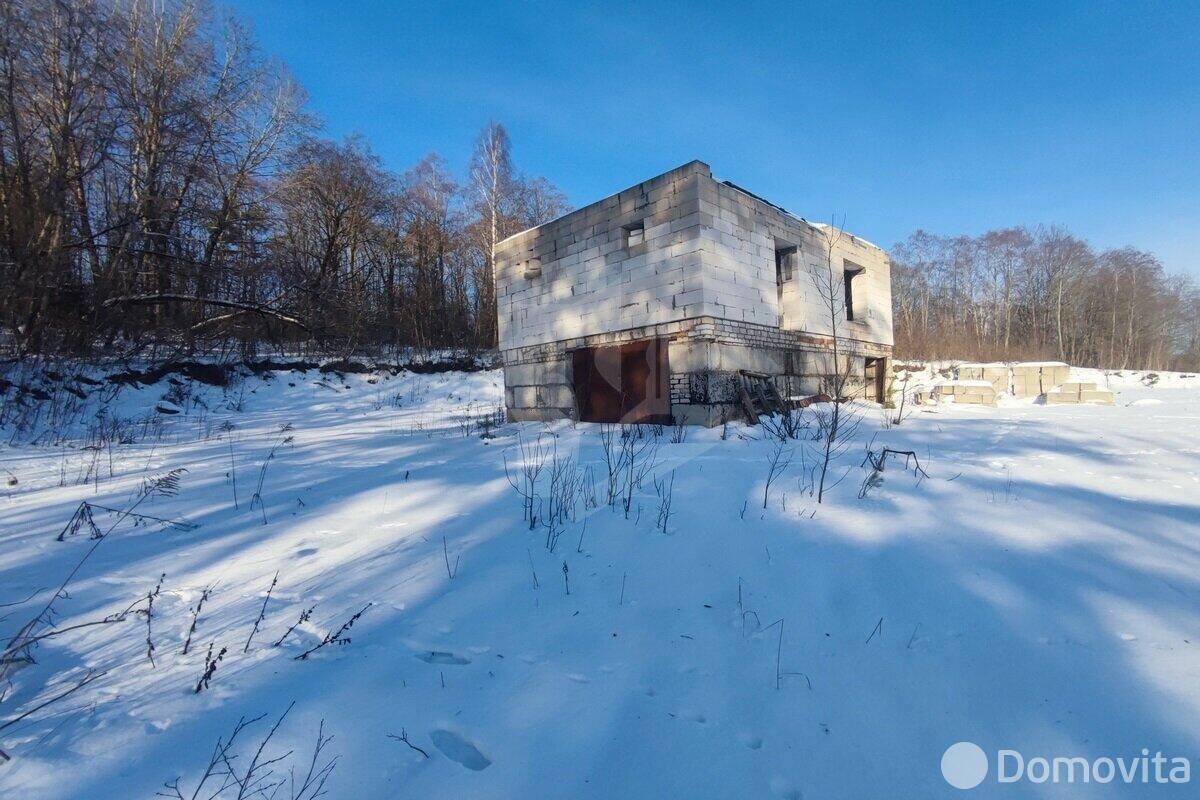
705,356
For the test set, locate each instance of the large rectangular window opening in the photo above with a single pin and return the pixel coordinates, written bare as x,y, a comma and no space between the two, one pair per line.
785,266
852,289
785,262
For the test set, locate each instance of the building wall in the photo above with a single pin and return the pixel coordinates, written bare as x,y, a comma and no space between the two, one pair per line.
590,280
739,268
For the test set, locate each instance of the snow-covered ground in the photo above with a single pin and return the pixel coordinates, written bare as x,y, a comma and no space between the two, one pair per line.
1039,591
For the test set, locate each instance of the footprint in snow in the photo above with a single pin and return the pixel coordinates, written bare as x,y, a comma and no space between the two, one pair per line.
457,748
751,740
155,727
695,716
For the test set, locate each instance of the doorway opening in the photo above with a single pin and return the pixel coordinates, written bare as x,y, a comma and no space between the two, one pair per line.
875,379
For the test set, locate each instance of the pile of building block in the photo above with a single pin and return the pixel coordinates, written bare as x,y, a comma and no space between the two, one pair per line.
995,374
1079,392
1038,377
1029,379
982,384
979,392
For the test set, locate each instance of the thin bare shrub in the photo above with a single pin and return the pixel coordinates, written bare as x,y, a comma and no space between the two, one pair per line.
254,774
262,613
305,616
613,453
791,424
37,627
664,488
522,475
778,460
210,667
561,503
337,637
679,430
284,437
639,455
204,595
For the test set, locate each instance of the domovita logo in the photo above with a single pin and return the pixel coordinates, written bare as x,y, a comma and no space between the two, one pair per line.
965,766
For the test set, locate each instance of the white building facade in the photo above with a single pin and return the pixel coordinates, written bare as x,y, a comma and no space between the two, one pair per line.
648,305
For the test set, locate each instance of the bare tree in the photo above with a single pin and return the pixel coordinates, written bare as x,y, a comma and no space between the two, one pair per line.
493,190
838,426
161,191
1021,293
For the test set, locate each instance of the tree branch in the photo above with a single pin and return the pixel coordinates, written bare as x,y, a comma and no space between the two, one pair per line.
160,299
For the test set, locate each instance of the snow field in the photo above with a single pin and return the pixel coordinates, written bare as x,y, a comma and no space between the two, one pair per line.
1038,591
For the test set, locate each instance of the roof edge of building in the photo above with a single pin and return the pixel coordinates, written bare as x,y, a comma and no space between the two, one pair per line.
695,165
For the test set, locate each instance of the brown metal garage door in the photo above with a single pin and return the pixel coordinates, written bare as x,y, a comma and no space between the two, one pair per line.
623,383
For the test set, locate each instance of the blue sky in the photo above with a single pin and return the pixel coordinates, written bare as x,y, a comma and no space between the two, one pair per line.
953,117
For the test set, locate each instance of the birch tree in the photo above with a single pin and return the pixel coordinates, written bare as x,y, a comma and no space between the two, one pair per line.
493,192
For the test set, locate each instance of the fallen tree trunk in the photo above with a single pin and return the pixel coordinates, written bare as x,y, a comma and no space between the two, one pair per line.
159,299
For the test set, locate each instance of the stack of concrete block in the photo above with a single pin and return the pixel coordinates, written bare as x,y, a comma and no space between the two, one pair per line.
1079,392
980,393
995,374
1034,378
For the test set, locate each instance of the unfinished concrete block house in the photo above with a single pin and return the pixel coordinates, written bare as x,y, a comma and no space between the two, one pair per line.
659,304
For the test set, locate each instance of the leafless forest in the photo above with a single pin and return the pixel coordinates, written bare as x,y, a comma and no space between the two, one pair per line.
162,185
163,190
1041,293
